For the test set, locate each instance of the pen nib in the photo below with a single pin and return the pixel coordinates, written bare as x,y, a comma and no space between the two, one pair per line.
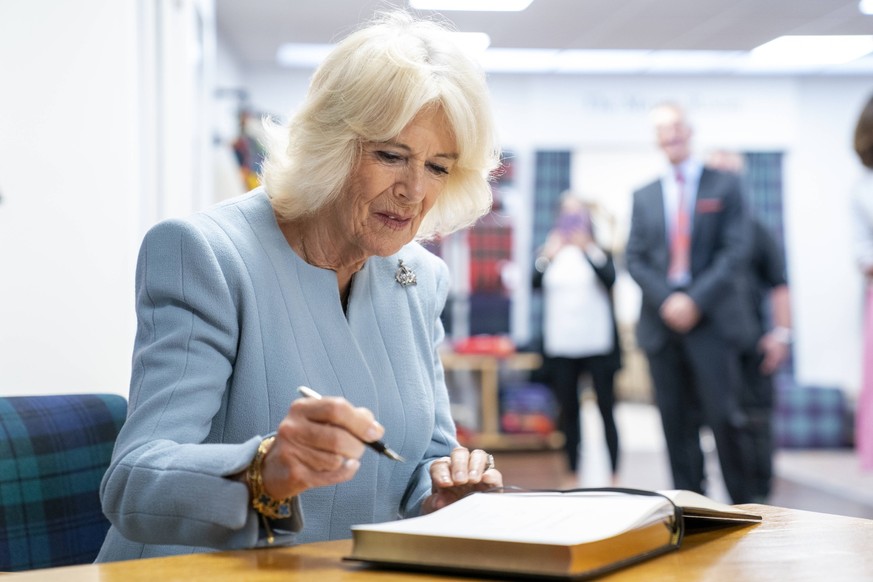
391,454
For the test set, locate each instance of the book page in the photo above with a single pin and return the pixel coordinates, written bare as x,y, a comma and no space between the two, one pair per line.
697,505
546,518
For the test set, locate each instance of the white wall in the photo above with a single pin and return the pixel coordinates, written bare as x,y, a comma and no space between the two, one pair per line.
95,93
277,93
68,177
809,118
820,171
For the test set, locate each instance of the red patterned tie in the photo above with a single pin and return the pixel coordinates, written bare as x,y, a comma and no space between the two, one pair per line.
680,241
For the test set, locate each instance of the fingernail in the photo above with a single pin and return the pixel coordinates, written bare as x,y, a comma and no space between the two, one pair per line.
474,474
352,464
374,431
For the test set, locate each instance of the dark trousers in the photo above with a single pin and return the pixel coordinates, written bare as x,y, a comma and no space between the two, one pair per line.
756,400
565,374
697,379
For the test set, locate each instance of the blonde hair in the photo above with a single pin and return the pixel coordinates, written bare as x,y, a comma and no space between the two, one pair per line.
368,89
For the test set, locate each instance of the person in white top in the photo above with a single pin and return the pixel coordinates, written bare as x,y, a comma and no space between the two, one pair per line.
579,332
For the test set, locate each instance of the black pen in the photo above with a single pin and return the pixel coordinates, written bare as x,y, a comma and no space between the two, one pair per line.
377,446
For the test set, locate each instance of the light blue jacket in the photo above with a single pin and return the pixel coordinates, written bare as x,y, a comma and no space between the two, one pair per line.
230,322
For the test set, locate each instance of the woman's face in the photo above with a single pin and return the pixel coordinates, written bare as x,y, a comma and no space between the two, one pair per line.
395,184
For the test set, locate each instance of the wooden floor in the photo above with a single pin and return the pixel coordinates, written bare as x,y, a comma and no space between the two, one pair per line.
827,481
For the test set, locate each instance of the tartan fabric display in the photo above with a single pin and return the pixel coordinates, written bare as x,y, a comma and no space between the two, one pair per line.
54,451
490,241
764,190
809,416
552,171
489,314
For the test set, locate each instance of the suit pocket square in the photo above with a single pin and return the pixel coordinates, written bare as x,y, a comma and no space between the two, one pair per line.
705,205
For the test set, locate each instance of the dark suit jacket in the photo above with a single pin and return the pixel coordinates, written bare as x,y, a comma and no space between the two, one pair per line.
720,238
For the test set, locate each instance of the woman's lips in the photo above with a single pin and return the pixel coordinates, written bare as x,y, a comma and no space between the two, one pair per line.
394,221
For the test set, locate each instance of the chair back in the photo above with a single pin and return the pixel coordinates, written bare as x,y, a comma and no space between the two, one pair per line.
54,451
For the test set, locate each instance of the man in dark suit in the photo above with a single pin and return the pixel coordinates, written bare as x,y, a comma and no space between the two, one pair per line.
689,237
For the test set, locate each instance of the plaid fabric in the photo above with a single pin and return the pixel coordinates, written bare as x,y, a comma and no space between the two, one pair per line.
54,451
764,178
489,314
490,242
809,417
551,179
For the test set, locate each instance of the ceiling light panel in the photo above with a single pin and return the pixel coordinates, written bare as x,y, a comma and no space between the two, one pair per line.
472,5
812,50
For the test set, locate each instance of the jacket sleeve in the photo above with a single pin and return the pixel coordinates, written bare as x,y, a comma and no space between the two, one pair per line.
164,486
772,272
605,272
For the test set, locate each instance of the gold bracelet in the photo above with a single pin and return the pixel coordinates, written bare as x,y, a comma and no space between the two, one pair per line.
265,505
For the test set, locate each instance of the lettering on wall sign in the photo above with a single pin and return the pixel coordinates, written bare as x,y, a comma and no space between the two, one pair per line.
623,103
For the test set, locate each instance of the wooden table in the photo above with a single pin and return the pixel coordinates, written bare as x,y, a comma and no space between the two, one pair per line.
490,437
790,545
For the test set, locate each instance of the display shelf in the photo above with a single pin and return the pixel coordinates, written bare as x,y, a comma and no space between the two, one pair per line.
489,435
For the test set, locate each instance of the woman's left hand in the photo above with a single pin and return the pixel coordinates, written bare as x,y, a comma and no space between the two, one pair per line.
464,472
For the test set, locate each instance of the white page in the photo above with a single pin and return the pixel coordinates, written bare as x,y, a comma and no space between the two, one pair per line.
685,498
547,518
692,500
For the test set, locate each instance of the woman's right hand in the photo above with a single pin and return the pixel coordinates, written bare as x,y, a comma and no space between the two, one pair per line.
318,443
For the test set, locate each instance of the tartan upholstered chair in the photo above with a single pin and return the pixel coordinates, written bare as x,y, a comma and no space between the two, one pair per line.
53,453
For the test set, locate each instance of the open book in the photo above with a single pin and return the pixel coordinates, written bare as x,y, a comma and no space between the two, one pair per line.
541,534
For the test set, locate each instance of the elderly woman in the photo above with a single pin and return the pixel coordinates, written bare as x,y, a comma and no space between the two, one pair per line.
312,280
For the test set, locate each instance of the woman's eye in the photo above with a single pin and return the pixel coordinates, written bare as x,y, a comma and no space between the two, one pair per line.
438,169
388,156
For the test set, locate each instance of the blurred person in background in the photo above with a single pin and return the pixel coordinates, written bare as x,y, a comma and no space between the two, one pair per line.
688,238
769,346
862,215
769,300
579,332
